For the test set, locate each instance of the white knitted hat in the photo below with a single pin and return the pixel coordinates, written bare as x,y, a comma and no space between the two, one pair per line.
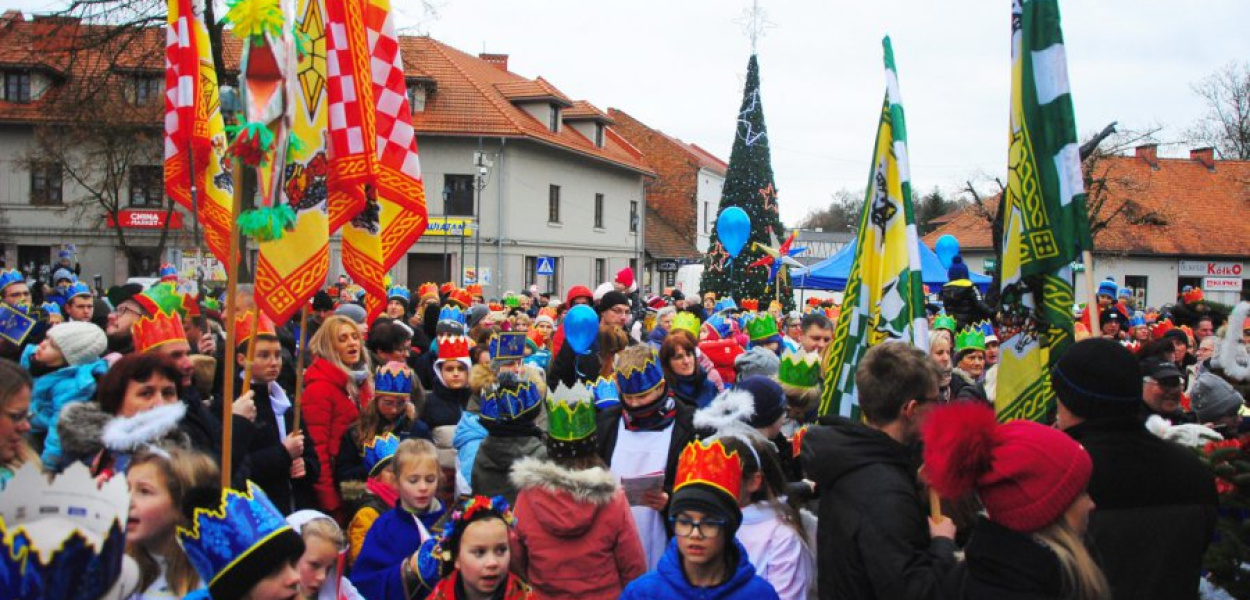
80,343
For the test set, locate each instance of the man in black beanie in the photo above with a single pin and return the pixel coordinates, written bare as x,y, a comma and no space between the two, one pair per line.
1156,502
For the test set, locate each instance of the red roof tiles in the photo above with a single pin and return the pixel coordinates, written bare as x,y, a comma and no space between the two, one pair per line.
1180,208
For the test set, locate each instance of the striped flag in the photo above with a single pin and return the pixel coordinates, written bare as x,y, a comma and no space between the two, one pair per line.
884,296
194,132
289,270
1044,220
376,193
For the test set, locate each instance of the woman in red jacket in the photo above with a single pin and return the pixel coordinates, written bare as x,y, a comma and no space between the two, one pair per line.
336,385
575,535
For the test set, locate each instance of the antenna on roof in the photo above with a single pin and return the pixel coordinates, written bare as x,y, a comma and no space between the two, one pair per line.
754,22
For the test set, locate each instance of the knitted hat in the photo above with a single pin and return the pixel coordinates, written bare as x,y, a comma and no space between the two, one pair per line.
1026,474
1098,378
610,299
63,274
1212,397
1107,287
677,295
80,343
757,361
322,301
577,291
770,402
355,312
474,315
625,277
958,269
1111,315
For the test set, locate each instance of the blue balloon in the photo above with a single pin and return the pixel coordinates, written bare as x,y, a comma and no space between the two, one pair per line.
581,327
733,226
947,248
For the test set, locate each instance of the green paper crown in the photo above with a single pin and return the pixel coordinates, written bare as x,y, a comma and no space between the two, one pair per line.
571,413
686,322
971,338
944,321
762,327
163,298
799,369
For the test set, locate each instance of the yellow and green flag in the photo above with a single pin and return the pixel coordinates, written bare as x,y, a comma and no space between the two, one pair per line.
884,296
1045,224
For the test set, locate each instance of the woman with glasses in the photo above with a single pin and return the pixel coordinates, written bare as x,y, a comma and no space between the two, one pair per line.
14,420
396,404
704,560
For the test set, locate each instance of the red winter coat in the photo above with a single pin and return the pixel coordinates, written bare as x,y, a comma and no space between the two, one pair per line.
722,354
328,412
575,536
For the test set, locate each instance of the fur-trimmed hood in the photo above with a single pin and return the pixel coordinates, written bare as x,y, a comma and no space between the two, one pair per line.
594,486
83,428
565,503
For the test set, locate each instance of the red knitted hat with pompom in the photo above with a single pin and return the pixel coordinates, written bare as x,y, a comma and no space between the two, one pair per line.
1025,473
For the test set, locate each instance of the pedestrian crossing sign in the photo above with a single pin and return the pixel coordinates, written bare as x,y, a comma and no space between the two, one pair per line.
546,265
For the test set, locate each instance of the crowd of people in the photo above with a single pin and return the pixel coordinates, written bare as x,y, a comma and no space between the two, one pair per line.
460,447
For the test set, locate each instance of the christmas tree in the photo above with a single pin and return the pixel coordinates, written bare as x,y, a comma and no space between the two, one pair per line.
749,185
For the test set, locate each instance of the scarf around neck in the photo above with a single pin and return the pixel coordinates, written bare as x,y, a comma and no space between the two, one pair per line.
652,417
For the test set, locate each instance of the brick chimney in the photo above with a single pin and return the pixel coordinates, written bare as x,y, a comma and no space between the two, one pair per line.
1204,156
500,61
9,17
1150,154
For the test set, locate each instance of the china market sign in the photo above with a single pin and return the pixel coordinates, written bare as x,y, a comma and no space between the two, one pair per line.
450,226
131,218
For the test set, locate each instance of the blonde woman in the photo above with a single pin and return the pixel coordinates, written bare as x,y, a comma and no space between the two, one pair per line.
159,479
336,385
14,420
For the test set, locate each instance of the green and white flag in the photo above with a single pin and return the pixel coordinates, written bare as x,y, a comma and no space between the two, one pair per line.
884,296
1045,224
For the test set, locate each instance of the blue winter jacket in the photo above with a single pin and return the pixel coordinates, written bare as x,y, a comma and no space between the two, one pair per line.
467,439
54,391
668,581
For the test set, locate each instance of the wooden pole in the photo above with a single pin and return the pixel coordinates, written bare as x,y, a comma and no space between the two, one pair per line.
251,349
935,506
299,365
232,286
1095,330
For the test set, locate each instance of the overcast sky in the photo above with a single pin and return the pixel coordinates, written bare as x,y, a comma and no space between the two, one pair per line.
679,65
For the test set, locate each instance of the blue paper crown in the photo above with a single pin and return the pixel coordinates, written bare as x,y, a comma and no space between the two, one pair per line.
221,537
399,292
10,277
507,345
721,324
64,254
726,303
379,451
987,329
77,289
605,393
509,403
168,270
640,380
1138,320
50,308
451,313
395,380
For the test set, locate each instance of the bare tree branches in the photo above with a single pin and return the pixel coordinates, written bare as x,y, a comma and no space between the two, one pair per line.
1226,124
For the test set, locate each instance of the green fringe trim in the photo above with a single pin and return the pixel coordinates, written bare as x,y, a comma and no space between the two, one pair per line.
267,224
254,19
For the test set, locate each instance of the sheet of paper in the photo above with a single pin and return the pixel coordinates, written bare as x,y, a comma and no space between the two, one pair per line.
638,485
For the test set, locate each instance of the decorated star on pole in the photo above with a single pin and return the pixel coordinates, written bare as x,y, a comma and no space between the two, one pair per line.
779,258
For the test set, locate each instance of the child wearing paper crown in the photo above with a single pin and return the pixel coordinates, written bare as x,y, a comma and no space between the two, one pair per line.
65,366
393,410
575,535
388,558
472,557
510,399
704,559
380,493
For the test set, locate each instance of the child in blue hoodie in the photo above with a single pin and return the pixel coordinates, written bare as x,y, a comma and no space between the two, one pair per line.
65,367
704,559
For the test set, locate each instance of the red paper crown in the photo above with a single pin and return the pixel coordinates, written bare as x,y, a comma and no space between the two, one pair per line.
548,311
243,327
474,289
750,304
460,298
710,464
162,328
1193,296
1161,328
447,288
427,289
813,301
495,307
453,347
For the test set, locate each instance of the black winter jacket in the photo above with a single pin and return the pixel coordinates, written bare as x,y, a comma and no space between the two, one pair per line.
964,303
1155,510
873,541
269,464
1001,564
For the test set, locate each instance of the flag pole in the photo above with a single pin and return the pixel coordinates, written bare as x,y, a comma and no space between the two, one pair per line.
1094,328
299,365
251,349
232,286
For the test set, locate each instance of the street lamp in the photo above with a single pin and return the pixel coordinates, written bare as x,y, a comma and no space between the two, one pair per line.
446,259
483,165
